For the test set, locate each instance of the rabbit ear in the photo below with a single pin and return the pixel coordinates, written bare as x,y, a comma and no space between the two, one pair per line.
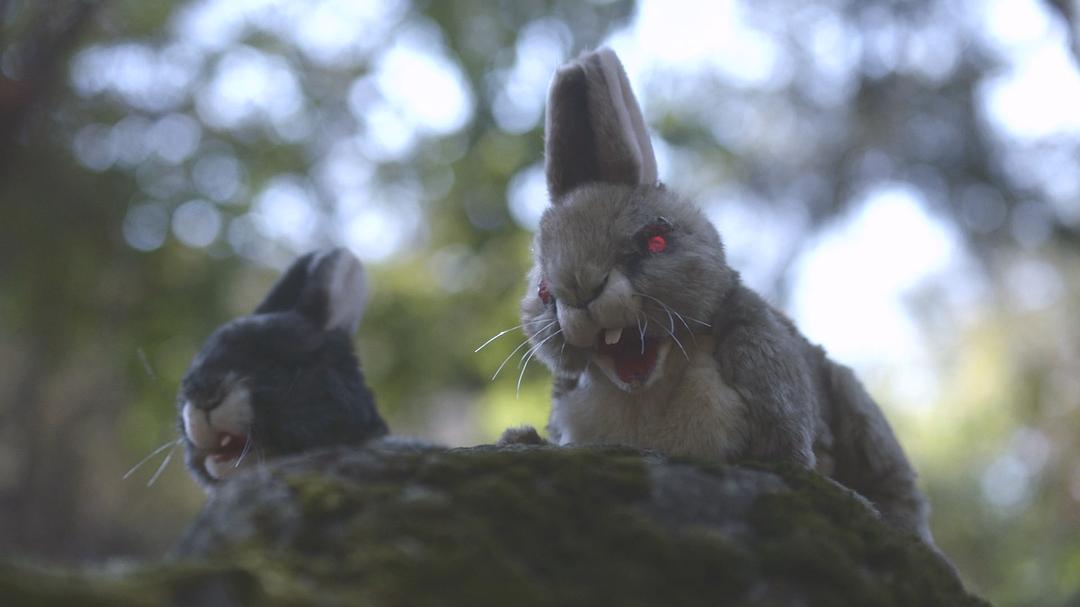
329,288
594,128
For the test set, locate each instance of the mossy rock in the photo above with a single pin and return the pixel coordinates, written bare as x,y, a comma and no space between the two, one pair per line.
407,525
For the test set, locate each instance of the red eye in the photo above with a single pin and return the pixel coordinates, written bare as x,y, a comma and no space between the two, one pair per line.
655,237
543,293
657,244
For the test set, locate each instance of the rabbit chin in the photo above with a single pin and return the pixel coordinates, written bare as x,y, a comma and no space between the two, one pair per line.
607,364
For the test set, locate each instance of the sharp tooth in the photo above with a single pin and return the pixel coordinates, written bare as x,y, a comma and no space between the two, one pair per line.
225,440
612,336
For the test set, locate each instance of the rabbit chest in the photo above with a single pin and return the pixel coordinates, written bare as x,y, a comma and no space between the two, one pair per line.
689,410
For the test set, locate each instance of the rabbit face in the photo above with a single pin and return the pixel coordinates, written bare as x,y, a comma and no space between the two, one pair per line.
282,380
623,274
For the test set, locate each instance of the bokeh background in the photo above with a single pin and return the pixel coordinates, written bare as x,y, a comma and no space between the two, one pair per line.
902,177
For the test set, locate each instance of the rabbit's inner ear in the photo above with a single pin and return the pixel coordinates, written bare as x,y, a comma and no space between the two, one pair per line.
594,128
337,292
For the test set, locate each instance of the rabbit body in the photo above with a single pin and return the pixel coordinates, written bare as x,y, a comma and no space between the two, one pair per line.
653,339
284,379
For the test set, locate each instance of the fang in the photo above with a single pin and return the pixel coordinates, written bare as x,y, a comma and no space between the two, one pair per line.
612,336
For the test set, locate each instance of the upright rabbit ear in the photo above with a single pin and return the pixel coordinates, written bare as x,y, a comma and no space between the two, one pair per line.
594,128
329,288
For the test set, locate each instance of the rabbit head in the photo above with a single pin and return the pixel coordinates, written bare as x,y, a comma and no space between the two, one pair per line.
624,269
284,379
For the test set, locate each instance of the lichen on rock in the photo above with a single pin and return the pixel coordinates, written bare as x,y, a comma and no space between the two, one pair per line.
537,525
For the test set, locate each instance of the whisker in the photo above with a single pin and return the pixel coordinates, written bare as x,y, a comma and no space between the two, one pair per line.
521,345
246,450
532,353
641,332
161,468
171,443
497,336
683,321
677,342
146,363
505,331
690,318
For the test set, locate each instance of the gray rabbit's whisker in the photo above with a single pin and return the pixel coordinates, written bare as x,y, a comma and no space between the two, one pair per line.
667,309
641,332
532,353
677,313
683,321
171,443
520,346
246,450
161,468
505,331
535,348
677,342
517,392
497,336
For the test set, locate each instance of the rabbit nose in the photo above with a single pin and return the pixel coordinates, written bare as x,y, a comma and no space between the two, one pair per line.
583,294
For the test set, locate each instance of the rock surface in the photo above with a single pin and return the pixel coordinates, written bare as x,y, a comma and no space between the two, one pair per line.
408,525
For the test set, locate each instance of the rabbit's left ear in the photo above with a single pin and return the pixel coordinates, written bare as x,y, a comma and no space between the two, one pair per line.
594,130
329,288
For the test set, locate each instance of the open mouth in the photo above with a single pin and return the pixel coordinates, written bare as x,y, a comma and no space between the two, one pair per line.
230,447
225,458
633,355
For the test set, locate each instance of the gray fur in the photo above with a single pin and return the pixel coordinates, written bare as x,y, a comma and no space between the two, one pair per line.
742,382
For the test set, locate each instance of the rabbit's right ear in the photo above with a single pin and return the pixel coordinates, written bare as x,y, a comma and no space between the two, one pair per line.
329,288
594,130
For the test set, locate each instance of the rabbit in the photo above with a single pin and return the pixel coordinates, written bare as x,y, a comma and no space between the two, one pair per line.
284,379
654,341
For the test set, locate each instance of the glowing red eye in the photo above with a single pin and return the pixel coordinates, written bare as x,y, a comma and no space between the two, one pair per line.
657,244
543,293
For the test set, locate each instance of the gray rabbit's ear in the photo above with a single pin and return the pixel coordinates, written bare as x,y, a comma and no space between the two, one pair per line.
594,129
329,288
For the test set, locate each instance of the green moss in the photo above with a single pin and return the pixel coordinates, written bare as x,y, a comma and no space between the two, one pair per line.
841,552
535,526
150,586
489,523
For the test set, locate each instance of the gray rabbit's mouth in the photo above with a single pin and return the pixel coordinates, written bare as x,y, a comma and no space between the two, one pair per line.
629,357
219,438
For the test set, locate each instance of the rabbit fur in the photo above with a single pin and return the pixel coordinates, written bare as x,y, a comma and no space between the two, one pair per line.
653,339
284,379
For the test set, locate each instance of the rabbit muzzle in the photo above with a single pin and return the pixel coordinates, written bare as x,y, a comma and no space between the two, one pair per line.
218,436
614,307
611,327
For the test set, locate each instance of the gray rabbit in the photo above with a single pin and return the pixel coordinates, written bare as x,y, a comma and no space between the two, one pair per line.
284,379
653,339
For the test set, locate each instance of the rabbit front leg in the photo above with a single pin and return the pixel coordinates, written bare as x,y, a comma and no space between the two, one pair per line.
770,376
